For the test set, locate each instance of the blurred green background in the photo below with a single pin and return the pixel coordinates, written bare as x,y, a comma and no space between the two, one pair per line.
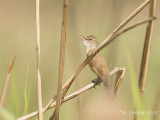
85,17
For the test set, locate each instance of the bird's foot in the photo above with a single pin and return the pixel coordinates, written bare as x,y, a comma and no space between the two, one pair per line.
96,81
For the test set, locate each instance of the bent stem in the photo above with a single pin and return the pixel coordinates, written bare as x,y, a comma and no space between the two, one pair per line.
6,82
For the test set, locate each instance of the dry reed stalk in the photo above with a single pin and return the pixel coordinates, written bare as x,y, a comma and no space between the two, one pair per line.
74,76
6,82
109,41
119,79
38,61
61,63
86,88
69,97
102,45
146,50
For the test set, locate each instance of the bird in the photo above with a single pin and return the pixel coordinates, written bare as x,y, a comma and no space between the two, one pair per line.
97,64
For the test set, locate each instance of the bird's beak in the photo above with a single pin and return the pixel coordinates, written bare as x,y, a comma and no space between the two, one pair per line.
82,37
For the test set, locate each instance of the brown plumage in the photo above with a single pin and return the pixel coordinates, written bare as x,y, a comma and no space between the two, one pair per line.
99,68
98,64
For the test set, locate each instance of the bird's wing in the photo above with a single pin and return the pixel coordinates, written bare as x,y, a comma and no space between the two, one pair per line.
100,68
98,71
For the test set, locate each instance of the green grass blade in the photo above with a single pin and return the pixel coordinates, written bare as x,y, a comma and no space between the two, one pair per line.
26,102
136,93
15,95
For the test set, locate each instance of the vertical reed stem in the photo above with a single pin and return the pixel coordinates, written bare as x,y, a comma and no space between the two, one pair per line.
61,62
146,50
38,61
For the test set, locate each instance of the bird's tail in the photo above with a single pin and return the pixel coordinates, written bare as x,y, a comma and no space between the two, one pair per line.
107,88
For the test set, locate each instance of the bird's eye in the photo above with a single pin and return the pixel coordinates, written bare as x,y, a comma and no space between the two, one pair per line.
90,38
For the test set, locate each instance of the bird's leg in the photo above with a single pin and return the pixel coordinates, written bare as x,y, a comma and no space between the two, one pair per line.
96,81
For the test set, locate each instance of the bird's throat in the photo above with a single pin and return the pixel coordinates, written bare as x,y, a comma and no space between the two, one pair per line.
89,46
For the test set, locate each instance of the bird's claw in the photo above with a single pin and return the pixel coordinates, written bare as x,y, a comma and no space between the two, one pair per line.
96,82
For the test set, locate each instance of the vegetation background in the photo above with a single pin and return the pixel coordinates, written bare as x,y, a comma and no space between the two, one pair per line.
85,17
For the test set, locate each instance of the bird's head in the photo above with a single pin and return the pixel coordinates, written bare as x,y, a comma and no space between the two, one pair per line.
90,42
